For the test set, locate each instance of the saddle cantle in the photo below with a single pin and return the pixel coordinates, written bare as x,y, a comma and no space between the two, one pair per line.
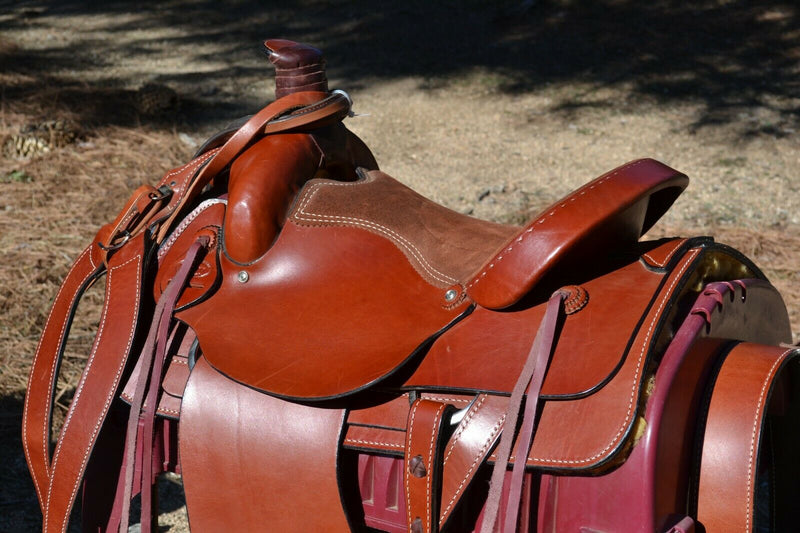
287,326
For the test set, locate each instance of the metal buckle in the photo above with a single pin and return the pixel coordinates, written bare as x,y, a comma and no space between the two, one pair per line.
161,193
126,236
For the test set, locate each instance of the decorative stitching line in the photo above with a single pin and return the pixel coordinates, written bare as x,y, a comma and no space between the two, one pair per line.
407,473
49,395
756,420
387,444
631,402
442,399
185,224
525,234
669,256
462,427
391,234
478,457
429,475
76,399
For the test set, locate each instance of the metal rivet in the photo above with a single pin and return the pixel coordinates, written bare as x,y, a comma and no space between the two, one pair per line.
173,183
243,276
416,466
450,295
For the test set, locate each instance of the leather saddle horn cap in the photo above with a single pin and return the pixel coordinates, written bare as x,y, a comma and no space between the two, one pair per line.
613,210
298,67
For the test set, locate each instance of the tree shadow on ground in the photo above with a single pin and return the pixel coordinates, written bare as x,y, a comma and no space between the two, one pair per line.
19,508
731,56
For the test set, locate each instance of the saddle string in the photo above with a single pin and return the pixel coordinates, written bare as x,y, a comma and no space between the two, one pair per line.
138,458
531,378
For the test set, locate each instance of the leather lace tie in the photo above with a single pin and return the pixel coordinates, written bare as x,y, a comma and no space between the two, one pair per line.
531,378
139,438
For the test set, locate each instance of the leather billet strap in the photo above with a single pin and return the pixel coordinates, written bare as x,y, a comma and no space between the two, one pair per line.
36,416
97,387
734,434
425,438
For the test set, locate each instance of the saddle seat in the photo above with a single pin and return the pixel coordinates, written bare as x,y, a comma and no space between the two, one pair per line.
365,274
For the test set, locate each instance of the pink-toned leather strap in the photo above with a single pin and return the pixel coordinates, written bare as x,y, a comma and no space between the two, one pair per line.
145,397
733,435
98,385
427,421
41,381
530,380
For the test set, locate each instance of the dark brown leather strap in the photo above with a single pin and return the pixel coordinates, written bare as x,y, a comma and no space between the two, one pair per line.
427,421
530,379
98,384
733,435
41,382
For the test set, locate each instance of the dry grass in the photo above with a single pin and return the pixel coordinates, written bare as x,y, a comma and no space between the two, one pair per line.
45,222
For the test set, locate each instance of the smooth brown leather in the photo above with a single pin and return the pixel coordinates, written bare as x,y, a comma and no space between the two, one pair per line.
300,111
98,385
265,179
280,351
239,447
612,407
384,264
733,436
425,438
41,382
613,210
350,297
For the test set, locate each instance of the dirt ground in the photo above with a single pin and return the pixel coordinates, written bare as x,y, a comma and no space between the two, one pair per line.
494,111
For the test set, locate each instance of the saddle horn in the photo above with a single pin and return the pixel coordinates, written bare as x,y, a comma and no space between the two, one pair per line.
298,67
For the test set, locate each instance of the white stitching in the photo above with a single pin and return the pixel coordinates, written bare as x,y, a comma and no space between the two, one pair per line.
691,255
443,399
185,223
429,473
48,397
376,443
391,234
756,425
478,457
463,426
525,234
669,256
407,459
79,391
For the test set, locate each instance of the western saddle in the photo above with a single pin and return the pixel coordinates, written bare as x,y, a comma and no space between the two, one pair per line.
314,346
